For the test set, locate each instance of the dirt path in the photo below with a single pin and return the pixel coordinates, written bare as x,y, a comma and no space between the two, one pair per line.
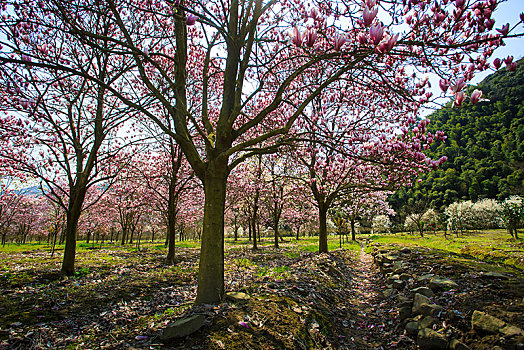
369,320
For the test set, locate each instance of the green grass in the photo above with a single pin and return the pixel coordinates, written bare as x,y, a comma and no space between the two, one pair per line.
493,245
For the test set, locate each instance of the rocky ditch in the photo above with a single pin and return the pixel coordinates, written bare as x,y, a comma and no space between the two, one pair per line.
429,306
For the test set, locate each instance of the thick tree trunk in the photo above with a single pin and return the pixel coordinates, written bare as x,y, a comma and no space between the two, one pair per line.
353,236
211,267
276,237
322,232
124,234
171,222
73,215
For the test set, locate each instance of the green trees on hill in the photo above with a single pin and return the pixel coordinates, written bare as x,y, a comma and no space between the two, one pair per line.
485,148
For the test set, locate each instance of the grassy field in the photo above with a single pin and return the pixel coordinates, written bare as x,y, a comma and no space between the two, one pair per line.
306,244
492,246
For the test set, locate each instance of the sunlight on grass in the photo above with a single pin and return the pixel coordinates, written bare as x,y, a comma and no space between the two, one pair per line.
493,245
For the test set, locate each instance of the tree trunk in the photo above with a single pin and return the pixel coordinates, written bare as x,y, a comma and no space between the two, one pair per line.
353,235
211,267
124,234
73,215
322,232
171,221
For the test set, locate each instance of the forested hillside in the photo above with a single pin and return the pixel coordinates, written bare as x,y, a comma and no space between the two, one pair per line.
485,148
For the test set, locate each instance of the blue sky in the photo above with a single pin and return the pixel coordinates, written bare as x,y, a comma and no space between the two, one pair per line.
507,12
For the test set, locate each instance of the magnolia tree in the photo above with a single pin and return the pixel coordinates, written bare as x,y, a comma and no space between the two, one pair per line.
421,220
513,214
381,224
364,206
232,81
487,213
59,128
460,216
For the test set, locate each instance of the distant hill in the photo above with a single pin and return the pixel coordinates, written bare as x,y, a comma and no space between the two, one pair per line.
485,147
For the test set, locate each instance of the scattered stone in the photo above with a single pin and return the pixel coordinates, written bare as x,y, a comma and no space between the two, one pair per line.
388,292
428,339
392,278
406,302
405,277
237,296
439,283
418,301
493,275
482,322
425,277
424,291
405,250
457,345
427,322
412,328
511,331
398,284
404,312
183,327
389,258
430,309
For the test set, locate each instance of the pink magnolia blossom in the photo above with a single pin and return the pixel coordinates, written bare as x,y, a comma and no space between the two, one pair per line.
504,30
391,42
459,98
339,42
459,85
311,37
191,20
497,63
298,38
444,84
475,96
460,3
376,33
369,16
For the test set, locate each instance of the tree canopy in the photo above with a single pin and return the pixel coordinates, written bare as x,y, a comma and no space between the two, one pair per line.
484,147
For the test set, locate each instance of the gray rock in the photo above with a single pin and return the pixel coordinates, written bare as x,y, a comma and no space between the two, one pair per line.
389,258
237,296
398,284
439,283
511,331
425,277
457,345
406,303
388,292
182,327
494,275
428,339
427,322
412,328
430,310
424,291
484,323
419,300
404,312
392,278
405,277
